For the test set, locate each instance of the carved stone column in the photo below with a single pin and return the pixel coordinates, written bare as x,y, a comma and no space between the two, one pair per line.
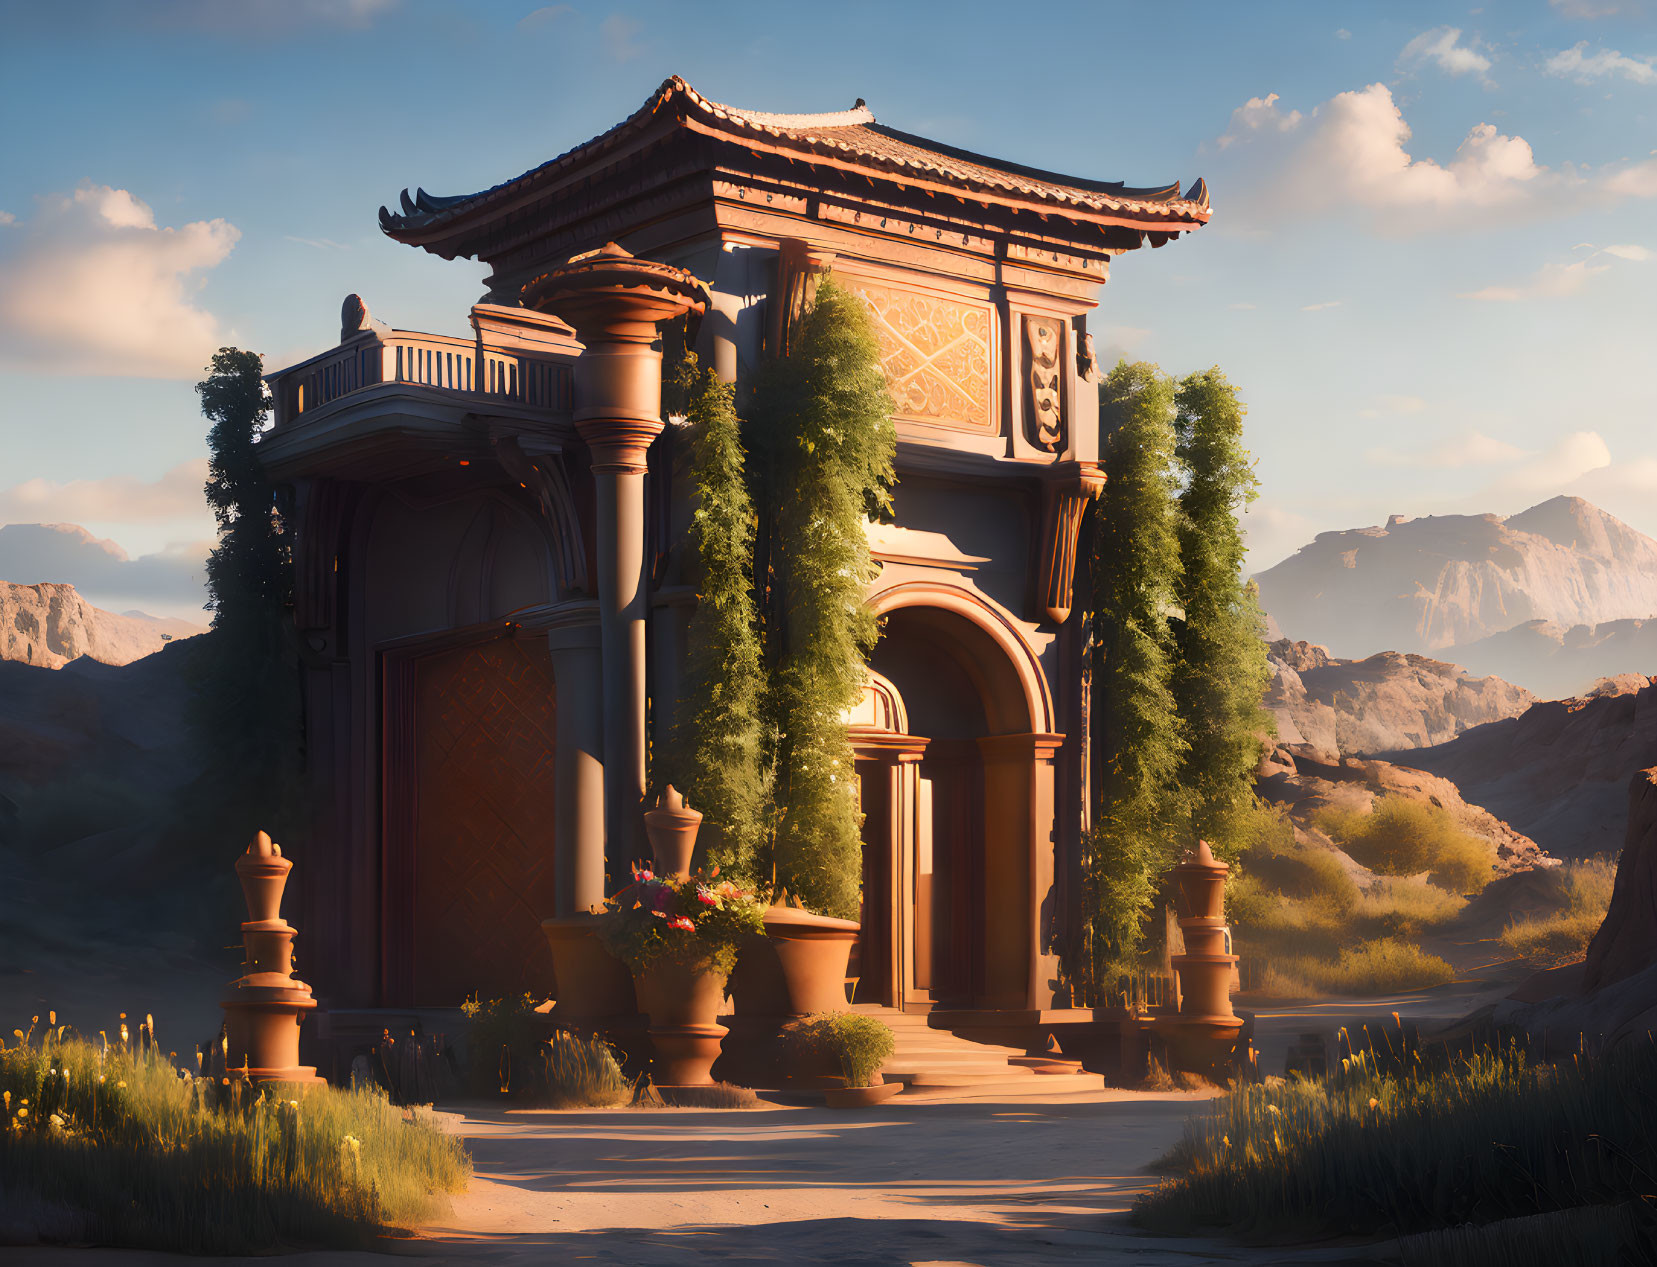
615,302
1066,490
1018,833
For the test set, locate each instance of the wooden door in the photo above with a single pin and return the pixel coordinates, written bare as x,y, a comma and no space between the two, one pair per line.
480,818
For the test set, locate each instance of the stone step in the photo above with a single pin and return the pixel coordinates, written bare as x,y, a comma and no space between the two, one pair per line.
1014,1088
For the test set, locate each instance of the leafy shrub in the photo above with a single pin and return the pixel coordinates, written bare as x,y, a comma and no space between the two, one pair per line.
858,1044
503,1042
581,1072
155,1156
1401,836
1564,935
1401,1146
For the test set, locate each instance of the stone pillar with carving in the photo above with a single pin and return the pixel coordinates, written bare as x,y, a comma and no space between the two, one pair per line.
616,301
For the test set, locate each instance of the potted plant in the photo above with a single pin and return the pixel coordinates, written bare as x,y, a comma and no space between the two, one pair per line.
856,1045
679,936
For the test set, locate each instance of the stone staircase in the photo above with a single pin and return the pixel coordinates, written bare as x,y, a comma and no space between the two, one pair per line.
934,1064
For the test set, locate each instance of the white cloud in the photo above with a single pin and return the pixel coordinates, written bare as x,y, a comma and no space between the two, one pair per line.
93,286
1584,67
1327,303
1637,181
1257,115
1576,455
7,219
1389,405
1350,151
1472,449
1590,9
175,496
620,37
170,582
1557,278
545,16
1442,45
1343,34
1272,533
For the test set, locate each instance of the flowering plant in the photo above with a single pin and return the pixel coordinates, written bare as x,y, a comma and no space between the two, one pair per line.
697,919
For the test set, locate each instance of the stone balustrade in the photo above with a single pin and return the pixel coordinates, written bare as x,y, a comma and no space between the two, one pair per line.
514,355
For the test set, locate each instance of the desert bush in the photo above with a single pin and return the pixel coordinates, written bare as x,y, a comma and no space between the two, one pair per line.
1564,935
859,1044
1401,836
150,1155
1407,1147
1405,905
1382,966
582,1072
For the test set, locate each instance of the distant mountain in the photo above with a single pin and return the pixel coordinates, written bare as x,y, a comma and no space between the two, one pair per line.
1558,772
1442,582
1342,708
49,625
1558,663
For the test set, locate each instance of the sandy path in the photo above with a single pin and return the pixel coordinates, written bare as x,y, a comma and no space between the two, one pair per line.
925,1184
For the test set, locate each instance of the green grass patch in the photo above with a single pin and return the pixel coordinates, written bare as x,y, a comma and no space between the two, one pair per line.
144,1154
1547,940
1399,1146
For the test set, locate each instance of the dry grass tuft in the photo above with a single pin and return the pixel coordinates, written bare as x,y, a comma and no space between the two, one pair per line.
1548,940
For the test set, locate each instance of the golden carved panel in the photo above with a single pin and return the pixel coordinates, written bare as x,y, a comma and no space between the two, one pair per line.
936,354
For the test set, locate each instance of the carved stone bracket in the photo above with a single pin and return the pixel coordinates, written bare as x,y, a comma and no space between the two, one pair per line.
800,267
546,480
1065,493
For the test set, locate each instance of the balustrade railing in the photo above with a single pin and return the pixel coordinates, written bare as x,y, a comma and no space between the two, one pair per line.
442,362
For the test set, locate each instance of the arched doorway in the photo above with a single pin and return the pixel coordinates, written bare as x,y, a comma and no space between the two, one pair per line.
957,786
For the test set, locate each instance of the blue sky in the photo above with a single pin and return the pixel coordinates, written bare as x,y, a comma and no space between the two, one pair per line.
1430,271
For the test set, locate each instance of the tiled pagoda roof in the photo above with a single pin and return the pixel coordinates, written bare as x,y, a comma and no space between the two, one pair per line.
849,139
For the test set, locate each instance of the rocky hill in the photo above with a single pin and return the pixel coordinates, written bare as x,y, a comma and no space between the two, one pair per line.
1388,702
48,625
1441,582
1559,771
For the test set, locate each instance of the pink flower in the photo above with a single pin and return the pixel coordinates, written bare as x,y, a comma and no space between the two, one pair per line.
646,874
706,898
680,922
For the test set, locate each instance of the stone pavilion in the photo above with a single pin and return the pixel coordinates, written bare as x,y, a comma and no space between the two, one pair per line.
491,588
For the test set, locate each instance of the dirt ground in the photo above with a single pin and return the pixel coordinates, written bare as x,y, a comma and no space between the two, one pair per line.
924,1184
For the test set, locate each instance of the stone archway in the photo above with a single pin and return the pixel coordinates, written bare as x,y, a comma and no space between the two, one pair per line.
962,839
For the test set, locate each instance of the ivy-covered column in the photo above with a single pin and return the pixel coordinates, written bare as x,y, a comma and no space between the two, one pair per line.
615,302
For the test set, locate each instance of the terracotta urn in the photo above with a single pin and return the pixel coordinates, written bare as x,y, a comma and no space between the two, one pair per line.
1200,1036
682,1001
672,828
264,1007
263,872
798,968
594,988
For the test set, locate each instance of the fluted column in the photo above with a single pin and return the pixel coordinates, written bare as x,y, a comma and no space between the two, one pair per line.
616,302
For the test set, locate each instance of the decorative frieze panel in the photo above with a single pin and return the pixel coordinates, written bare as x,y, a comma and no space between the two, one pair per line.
936,354
1044,382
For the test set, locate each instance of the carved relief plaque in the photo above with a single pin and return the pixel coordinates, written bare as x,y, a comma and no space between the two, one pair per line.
936,354
1044,382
